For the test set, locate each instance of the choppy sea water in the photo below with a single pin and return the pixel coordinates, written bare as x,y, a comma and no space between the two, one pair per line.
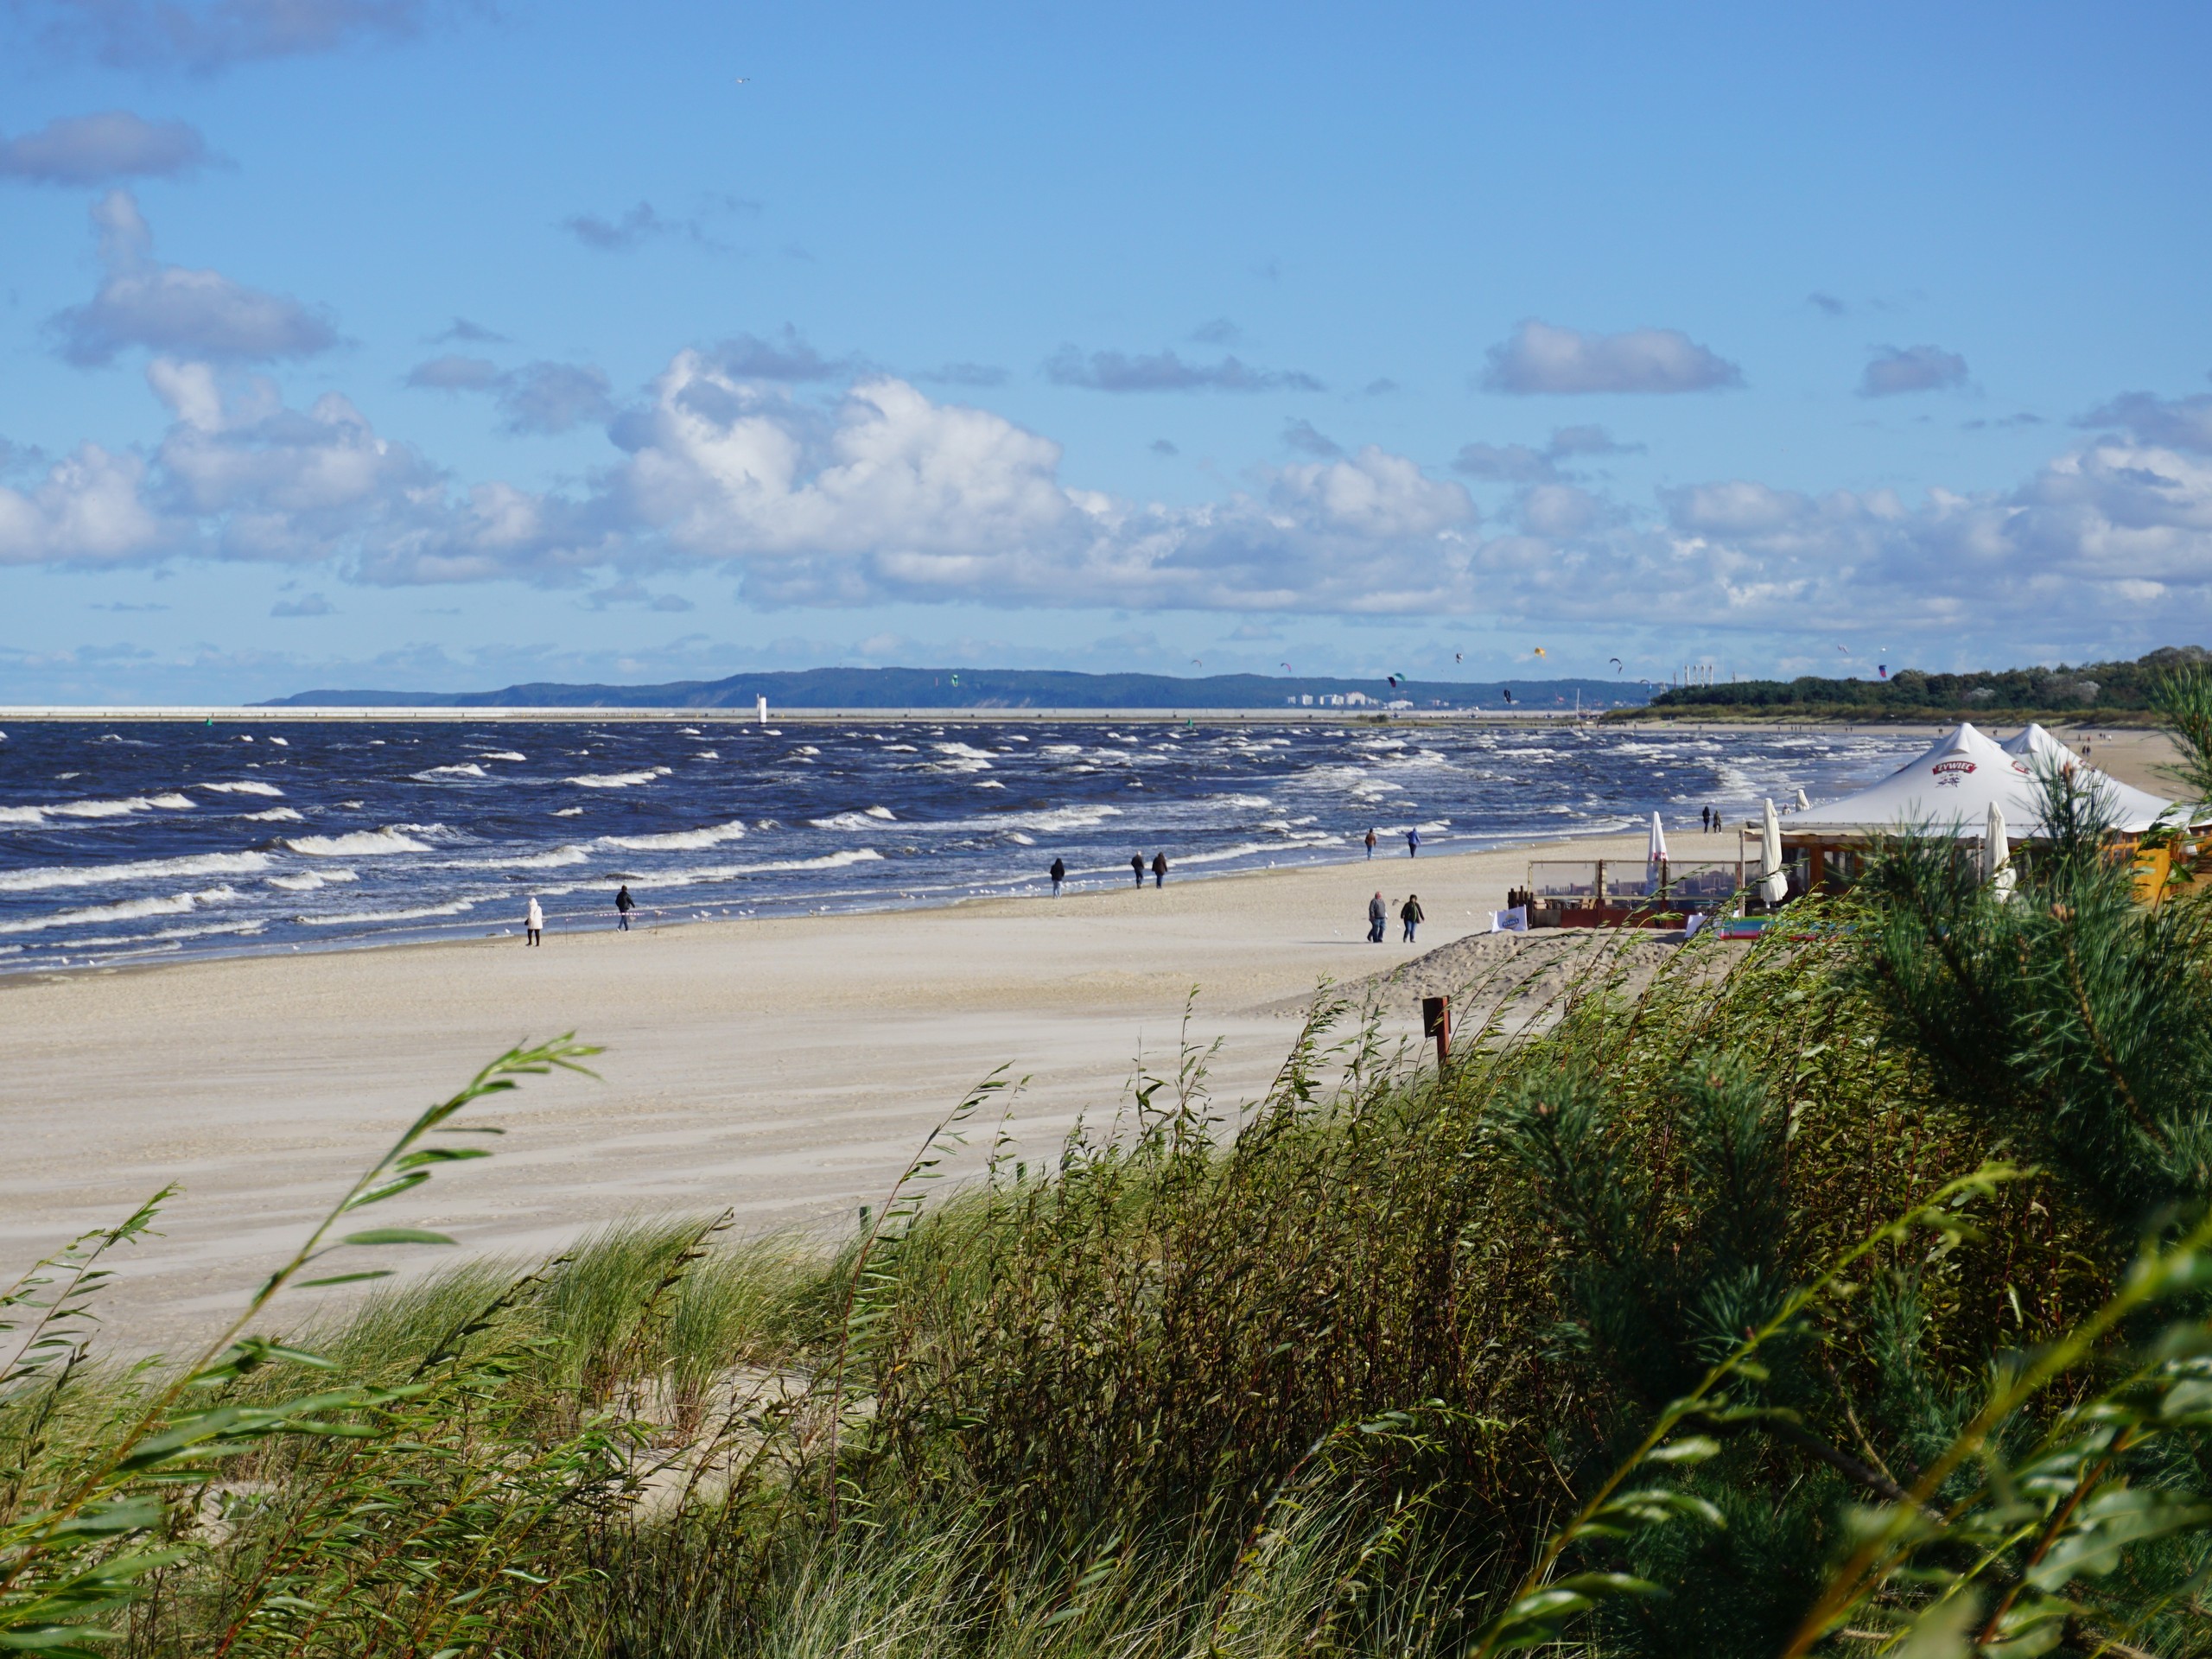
132,842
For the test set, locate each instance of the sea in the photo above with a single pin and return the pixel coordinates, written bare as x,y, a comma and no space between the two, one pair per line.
127,842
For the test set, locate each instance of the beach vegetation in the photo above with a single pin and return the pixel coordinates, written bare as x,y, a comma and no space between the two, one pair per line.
2119,693
1841,1293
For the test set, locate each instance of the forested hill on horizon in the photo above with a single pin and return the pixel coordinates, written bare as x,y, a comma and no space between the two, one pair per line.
2105,689
988,688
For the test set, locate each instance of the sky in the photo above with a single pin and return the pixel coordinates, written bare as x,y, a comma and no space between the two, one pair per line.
408,344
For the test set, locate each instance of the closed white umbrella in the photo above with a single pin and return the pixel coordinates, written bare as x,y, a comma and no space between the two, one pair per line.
1803,805
1658,855
1774,881
1997,853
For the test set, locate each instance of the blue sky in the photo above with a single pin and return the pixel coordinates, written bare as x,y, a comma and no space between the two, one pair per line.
380,342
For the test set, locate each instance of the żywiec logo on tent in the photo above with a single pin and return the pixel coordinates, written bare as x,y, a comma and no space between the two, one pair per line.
1950,773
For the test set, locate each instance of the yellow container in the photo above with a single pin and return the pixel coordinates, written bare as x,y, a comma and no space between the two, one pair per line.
2152,867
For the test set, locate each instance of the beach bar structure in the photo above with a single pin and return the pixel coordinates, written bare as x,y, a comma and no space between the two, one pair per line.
1629,891
1947,791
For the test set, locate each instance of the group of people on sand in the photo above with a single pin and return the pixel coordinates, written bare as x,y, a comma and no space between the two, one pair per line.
1378,917
1412,841
1137,867
533,918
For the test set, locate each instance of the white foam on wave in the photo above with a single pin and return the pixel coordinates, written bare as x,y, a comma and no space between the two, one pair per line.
568,811
124,909
118,809
1311,838
275,815
308,880
676,840
351,918
249,786
732,872
360,843
1059,817
93,875
618,779
559,859
501,754
867,820
435,773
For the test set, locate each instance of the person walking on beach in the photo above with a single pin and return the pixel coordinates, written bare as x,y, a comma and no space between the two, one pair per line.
1136,864
1413,842
1371,843
624,904
1704,818
533,923
1410,914
1059,874
1379,919
1158,871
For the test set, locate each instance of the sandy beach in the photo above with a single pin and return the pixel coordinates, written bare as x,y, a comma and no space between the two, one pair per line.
782,1068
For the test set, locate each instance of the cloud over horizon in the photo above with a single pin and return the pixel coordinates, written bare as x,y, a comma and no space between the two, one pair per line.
539,398
880,493
102,148
167,309
1891,371
1165,370
1540,360
210,36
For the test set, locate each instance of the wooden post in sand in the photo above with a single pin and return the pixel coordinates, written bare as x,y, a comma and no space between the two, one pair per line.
1436,1021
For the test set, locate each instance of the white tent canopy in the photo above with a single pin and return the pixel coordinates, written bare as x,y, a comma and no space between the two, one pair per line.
1950,788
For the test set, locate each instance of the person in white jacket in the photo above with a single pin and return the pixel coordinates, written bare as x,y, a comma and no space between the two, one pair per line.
534,924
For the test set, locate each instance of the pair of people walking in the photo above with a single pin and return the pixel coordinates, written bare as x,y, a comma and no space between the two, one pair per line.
1413,843
1158,869
1378,917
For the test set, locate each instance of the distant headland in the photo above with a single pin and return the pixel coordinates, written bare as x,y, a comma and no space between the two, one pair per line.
1015,688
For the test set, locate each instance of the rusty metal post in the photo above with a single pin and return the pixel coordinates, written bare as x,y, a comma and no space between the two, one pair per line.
1436,1021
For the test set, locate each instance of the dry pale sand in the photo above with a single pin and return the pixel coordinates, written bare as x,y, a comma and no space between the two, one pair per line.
784,1067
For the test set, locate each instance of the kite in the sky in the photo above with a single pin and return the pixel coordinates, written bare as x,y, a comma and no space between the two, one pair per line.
1197,662
1505,692
1882,669
1458,657
1616,662
1286,668
1540,651
1393,679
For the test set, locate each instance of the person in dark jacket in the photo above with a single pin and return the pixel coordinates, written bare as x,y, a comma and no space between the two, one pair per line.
1059,874
1410,914
624,904
1371,843
1379,919
1136,866
1158,870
